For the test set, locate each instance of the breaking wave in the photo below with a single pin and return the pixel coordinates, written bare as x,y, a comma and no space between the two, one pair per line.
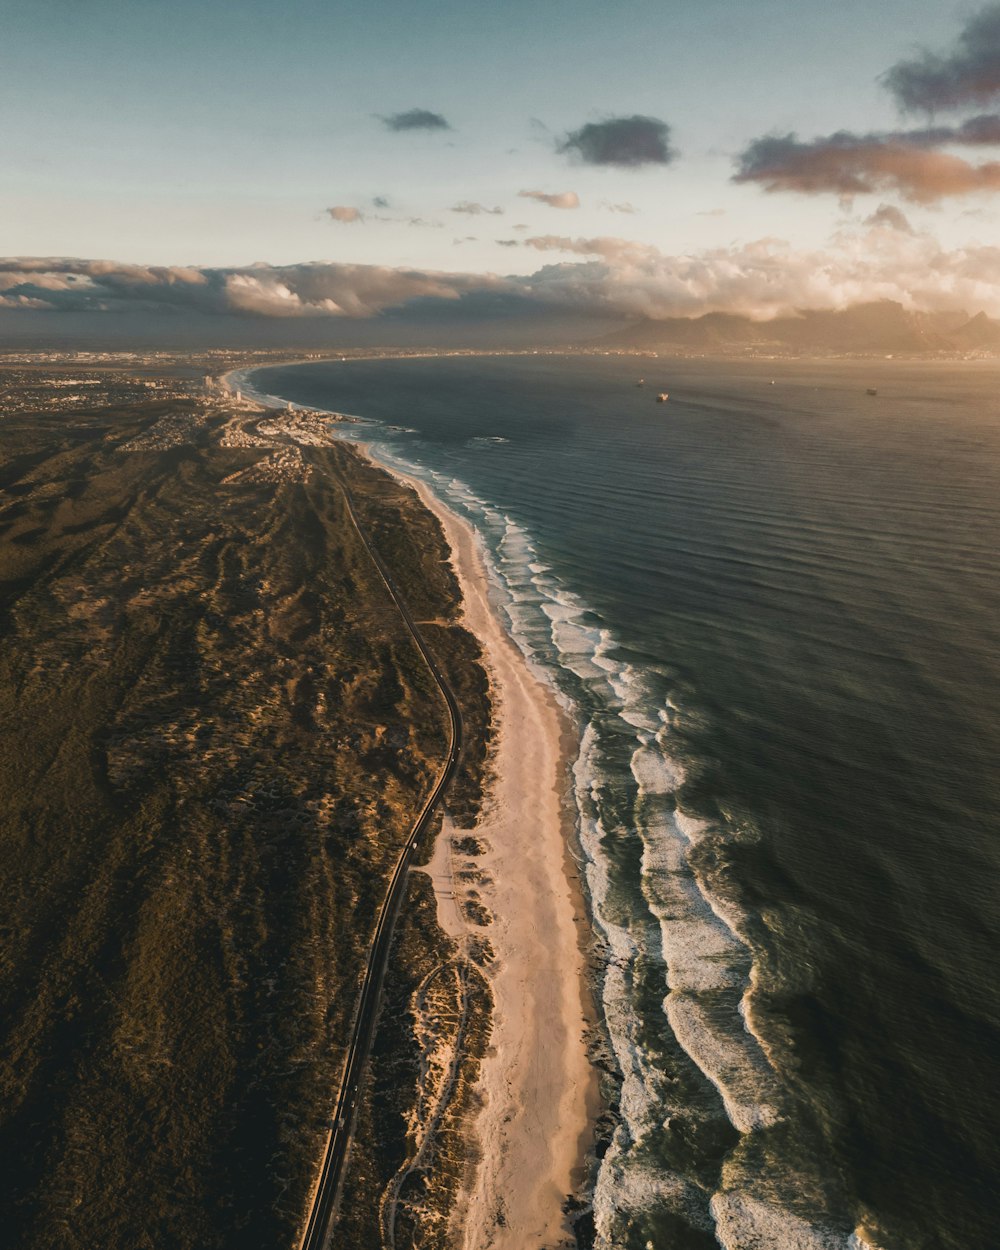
676,980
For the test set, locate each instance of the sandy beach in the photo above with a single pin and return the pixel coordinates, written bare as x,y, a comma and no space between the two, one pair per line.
538,1090
537,1085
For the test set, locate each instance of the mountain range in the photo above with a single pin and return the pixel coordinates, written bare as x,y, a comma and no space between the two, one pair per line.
874,328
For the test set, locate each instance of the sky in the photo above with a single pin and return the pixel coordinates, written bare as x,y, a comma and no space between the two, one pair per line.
639,158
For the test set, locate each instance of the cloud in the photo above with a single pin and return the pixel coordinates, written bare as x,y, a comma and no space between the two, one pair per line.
984,129
847,164
603,275
967,75
767,278
474,210
561,199
610,248
619,208
303,290
891,217
414,119
630,142
380,201
344,212
420,222
908,162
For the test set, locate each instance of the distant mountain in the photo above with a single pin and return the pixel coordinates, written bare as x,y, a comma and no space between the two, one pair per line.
881,327
981,332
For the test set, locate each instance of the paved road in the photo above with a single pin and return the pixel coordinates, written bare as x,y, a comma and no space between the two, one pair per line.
319,1228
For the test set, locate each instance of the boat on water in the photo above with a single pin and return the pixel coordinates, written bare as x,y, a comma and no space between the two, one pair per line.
662,397
641,382
872,390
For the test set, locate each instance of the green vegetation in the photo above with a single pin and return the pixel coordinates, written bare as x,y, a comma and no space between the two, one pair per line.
436,1012
214,734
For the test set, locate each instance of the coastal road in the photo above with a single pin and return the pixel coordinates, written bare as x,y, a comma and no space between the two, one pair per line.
319,1226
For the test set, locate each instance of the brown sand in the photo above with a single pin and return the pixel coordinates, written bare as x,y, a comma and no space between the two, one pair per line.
537,1085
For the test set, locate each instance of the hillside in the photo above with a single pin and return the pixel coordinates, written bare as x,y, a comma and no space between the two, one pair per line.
215,733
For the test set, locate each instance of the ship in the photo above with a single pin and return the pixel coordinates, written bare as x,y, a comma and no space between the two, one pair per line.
662,397
872,390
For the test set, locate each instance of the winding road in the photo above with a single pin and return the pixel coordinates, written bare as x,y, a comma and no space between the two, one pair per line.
320,1222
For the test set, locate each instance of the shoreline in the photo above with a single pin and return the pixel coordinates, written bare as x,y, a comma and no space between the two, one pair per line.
539,1092
534,1131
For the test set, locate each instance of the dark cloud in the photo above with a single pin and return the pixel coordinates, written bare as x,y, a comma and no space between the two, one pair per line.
381,201
984,129
508,242
891,216
969,75
414,119
474,210
981,131
558,199
630,142
847,164
908,162
345,213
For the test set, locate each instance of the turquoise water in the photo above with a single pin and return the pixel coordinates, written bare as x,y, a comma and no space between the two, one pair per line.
774,603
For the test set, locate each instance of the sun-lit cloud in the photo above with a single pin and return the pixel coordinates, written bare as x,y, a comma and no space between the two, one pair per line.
966,76
628,142
304,290
909,163
603,245
912,163
768,277
560,199
345,213
879,259
414,119
474,209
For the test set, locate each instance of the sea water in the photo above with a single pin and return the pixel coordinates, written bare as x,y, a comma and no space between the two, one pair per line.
773,606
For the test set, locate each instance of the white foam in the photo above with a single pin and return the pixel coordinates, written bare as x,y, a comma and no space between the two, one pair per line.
746,1222
695,935
640,1187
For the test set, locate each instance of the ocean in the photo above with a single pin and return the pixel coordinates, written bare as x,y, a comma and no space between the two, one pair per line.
773,605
